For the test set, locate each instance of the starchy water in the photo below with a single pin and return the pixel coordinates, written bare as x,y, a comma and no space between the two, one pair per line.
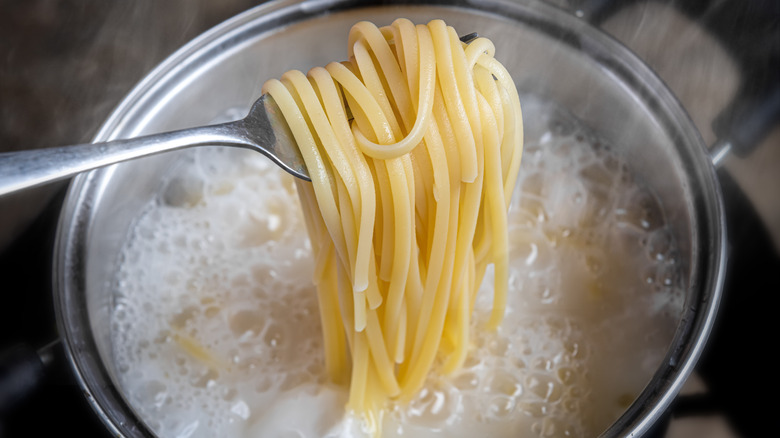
216,330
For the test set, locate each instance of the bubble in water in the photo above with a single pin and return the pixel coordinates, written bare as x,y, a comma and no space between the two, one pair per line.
500,407
434,406
466,381
567,375
153,392
204,378
504,383
533,409
246,323
668,275
544,387
639,212
274,334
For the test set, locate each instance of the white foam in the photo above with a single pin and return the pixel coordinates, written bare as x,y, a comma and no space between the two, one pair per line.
216,330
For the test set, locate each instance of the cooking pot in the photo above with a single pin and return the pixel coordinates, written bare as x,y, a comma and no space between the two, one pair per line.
551,54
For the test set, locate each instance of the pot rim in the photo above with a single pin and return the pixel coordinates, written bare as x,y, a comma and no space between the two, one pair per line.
701,304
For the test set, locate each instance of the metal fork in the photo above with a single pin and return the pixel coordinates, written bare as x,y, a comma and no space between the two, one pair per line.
263,130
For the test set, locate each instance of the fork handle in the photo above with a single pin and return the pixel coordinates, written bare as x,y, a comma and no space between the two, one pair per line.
30,168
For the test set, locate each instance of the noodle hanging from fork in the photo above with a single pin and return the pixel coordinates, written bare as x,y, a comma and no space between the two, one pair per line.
413,146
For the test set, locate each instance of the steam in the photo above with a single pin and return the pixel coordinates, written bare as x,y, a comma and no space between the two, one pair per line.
66,65
694,65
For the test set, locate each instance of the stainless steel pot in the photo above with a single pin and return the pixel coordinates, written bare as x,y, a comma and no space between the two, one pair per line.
551,54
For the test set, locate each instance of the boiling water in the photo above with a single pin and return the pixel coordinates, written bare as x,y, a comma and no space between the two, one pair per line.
216,330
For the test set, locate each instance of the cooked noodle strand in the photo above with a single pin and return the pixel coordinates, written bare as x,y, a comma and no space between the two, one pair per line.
413,145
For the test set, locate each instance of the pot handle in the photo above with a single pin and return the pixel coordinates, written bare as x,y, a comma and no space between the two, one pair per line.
745,123
747,120
22,369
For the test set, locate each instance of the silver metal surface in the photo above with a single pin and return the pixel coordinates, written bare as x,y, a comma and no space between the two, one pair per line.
720,151
263,130
551,54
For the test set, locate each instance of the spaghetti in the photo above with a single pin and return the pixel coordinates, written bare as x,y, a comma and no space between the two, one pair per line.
413,146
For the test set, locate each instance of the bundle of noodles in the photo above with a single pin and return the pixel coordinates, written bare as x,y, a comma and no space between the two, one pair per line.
413,146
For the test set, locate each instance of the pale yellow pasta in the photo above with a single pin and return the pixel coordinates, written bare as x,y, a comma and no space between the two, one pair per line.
413,145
